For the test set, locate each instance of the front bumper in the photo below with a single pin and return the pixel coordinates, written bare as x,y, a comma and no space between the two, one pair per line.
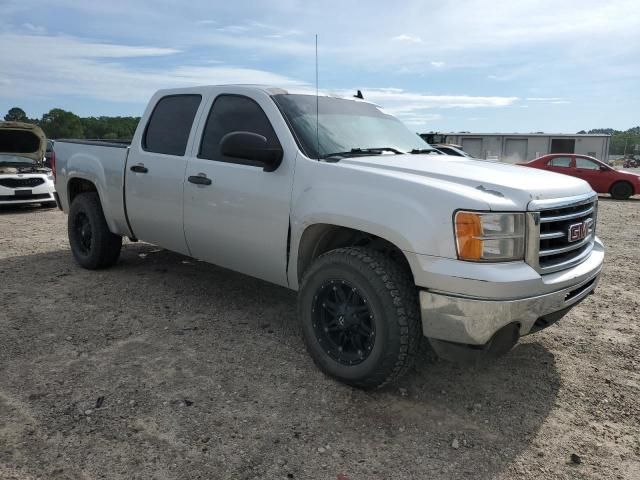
473,320
39,194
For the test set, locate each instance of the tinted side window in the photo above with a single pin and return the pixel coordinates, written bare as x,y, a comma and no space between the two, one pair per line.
233,113
586,164
170,123
560,162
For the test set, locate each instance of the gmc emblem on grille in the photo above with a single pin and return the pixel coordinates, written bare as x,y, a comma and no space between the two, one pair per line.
578,231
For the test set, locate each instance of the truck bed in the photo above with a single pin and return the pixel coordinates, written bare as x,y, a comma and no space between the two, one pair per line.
117,143
101,162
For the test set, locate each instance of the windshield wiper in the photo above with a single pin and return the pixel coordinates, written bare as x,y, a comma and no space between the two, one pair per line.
363,151
416,151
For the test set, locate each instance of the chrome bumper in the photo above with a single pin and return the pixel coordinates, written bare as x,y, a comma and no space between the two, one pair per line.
474,321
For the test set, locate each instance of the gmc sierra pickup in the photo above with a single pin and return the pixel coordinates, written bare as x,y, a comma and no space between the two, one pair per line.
384,240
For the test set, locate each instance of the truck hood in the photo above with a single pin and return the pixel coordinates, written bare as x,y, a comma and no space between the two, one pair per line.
500,183
22,140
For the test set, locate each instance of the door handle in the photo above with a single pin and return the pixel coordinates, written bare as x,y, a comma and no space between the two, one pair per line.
199,179
139,169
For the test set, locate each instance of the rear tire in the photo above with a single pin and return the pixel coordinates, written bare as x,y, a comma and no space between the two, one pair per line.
621,190
92,244
360,317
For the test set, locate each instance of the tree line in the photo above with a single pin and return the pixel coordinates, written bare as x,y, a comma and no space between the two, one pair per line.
59,123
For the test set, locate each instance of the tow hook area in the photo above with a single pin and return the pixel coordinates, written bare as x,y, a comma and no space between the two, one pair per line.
501,342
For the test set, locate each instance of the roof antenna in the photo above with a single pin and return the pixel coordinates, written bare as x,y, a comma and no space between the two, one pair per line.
359,95
317,104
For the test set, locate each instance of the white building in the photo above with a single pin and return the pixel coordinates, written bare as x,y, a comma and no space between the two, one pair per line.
520,147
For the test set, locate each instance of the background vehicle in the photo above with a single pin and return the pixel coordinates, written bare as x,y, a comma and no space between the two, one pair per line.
23,176
601,177
449,149
340,201
50,155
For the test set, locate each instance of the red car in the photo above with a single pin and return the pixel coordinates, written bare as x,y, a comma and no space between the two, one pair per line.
602,178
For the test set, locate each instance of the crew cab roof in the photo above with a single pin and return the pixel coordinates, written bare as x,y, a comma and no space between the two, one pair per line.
268,89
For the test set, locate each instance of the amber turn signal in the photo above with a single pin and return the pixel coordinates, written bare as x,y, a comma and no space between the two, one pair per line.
468,235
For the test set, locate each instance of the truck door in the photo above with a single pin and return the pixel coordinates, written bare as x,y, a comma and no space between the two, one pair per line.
154,176
238,217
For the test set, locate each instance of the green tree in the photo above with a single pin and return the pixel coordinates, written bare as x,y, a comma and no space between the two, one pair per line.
16,114
59,123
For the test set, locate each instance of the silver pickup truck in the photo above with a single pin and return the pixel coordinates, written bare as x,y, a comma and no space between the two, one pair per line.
385,239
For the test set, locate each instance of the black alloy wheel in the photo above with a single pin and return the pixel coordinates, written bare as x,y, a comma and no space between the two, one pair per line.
360,317
92,243
82,227
343,322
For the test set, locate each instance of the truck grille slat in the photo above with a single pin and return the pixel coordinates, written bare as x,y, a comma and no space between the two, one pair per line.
572,246
565,234
547,236
568,216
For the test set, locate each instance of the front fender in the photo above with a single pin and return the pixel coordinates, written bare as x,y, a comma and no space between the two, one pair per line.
413,214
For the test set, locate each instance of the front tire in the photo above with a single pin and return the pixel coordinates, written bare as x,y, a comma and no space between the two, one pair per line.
360,316
92,244
621,190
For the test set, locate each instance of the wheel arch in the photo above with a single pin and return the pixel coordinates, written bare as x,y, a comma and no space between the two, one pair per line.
78,185
320,238
634,190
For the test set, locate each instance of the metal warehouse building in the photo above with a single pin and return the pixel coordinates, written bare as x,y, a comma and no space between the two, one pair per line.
514,147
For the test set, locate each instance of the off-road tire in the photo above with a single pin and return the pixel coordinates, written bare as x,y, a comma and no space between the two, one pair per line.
393,300
621,190
104,247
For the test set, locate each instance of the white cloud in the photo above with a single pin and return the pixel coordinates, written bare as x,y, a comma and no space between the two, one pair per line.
233,29
421,120
417,109
548,100
35,29
82,68
401,101
437,64
407,39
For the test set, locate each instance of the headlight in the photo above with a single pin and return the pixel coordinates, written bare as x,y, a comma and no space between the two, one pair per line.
489,237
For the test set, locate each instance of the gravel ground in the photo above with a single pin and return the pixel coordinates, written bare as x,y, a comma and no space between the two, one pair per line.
167,368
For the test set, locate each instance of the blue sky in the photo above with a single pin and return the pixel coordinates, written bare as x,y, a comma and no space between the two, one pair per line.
506,66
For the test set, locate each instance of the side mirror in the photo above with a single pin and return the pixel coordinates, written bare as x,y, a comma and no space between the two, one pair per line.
251,146
603,168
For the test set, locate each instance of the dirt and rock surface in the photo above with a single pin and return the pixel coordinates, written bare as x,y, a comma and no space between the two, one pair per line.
167,368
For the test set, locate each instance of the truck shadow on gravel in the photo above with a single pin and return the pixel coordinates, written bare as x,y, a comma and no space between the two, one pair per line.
166,366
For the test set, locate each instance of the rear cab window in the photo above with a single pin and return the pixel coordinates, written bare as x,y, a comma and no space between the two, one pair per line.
170,124
564,162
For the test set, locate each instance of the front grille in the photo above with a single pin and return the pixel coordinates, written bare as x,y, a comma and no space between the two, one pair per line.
565,234
21,182
18,198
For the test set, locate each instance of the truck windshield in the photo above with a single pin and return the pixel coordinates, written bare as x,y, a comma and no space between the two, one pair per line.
345,127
